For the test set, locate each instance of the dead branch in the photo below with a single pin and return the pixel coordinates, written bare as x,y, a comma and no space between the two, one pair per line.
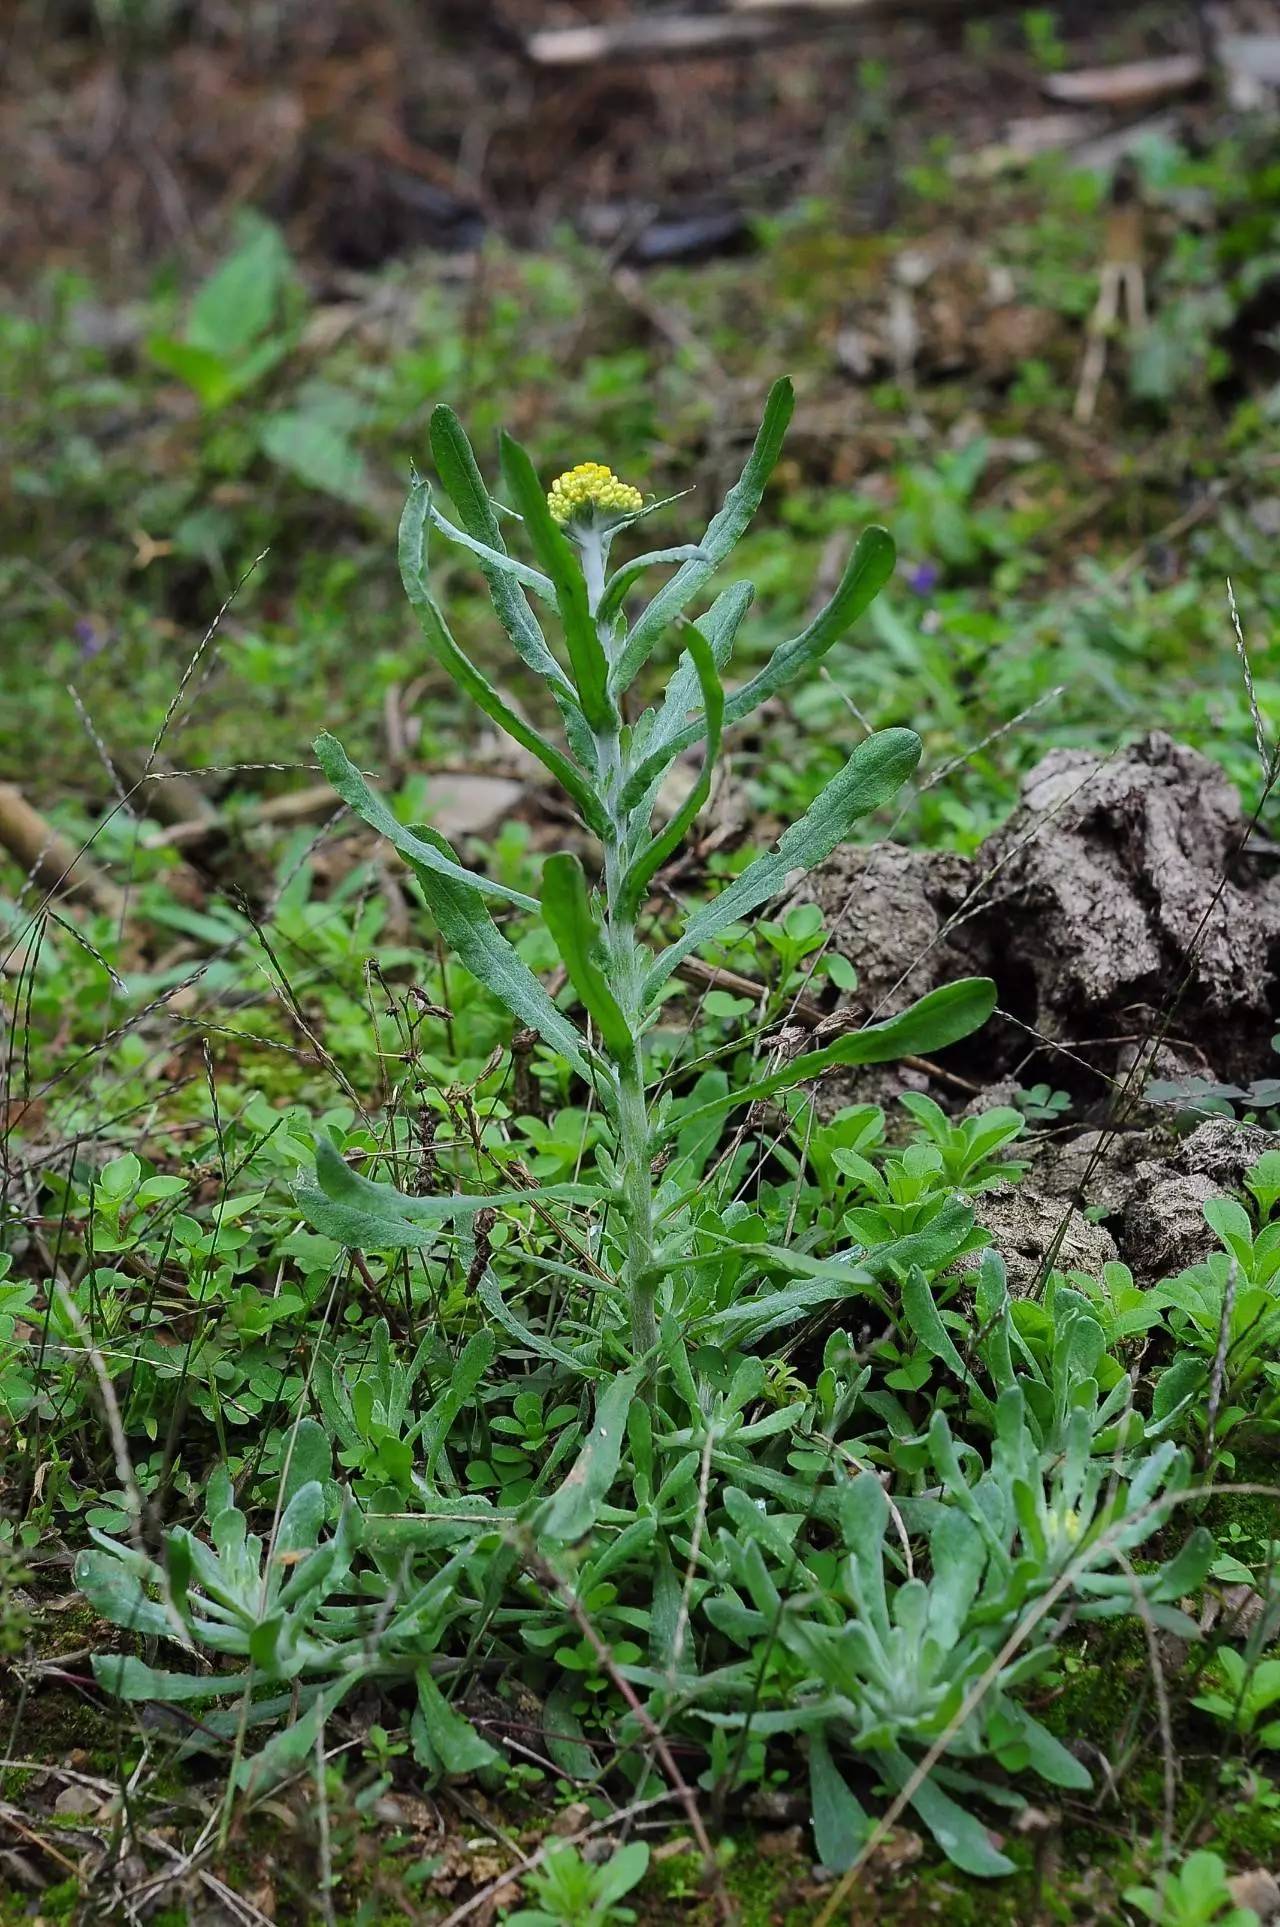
159,790
201,832
1136,84
50,859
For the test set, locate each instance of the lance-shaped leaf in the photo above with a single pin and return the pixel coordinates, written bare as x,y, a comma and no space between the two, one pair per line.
723,533
866,573
840,1823
1045,1753
553,550
922,1318
636,880
620,585
116,1592
363,1215
443,1740
495,558
876,771
465,1375
131,1679
413,573
939,1018
963,1839
286,1751
824,1281
457,468
664,725
368,805
572,1510
473,936
308,1457
490,1296
567,910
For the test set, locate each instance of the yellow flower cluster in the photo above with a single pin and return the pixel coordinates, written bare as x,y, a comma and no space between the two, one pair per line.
589,489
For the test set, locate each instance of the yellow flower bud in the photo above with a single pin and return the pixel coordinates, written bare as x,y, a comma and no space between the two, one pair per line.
590,492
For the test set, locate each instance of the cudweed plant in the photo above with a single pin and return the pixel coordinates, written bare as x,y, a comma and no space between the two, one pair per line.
570,1892
800,1617
1196,1894
284,1612
611,769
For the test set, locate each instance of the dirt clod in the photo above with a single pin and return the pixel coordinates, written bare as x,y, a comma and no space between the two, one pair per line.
1117,905
1152,1188
1125,887
886,909
1035,1233
1098,1166
1165,1229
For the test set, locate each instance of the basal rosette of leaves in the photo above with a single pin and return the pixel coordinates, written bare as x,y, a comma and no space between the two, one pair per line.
821,1613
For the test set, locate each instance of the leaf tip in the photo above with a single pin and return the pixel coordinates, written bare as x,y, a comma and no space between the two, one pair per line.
330,1163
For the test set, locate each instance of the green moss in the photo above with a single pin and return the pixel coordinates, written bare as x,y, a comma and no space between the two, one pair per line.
943,1894
1105,1680
364,1917
765,1889
1255,1514
53,1722
60,1901
677,1877
1244,1831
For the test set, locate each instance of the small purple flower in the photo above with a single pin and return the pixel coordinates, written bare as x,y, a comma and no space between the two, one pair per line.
92,640
923,578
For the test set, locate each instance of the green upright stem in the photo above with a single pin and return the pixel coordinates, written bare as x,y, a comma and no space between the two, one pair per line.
634,1165
637,1188
627,974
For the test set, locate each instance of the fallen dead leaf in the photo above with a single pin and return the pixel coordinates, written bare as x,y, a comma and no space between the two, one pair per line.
1256,1888
470,805
571,1819
899,1848
78,1802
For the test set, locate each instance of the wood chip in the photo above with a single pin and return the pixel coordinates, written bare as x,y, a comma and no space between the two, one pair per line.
1138,83
672,37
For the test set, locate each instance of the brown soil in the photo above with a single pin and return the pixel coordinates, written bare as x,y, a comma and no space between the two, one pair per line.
374,130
